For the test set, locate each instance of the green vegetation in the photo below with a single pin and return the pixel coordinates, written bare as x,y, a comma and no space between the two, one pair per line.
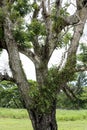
17,119
25,124
71,115
73,125
15,124
61,115
10,96
13,113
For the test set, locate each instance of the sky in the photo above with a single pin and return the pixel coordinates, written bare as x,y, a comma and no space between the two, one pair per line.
28,64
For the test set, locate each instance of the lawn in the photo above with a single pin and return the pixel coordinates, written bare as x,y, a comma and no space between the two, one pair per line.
11,119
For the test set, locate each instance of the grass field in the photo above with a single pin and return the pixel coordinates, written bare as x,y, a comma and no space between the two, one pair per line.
17,119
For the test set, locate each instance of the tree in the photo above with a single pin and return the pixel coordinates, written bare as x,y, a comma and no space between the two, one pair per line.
78,87
49,22
9,95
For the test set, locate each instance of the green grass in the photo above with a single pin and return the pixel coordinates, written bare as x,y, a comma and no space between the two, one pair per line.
71,115
13,113
25,124
73,125
62,115
17,119
15,124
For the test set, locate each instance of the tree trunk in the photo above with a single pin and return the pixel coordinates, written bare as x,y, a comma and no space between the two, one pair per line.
43,121
41,72
40,120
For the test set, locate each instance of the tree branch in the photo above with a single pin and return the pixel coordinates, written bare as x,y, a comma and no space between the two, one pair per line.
58,5
69,93
31,55
78,31
81,4
68,70
49,46
44,11
36,10
14,59
62,60
81,68
73,19
6,77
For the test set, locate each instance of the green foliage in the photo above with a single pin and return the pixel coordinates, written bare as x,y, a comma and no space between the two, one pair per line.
79,87
18,10
67,37
25,35
14,15
9,95
59,20
36,28
20,34
55,77
64,40
35,6
83,95
22,38
81,79
52,78
83,55
22,6
68,72
63,12
63,102
41,98
57,24
76,83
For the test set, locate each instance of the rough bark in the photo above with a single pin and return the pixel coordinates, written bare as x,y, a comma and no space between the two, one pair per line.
15,63
44,121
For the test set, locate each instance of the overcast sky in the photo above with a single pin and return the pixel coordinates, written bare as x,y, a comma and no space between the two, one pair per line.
28,65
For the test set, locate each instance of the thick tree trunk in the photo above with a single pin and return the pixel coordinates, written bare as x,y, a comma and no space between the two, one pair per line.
44,121
15,63
40,120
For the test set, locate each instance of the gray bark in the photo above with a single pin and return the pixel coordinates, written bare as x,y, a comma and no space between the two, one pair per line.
44,121
15,63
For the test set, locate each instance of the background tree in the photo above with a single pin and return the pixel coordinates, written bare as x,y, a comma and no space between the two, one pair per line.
48,24
66,100
9,95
